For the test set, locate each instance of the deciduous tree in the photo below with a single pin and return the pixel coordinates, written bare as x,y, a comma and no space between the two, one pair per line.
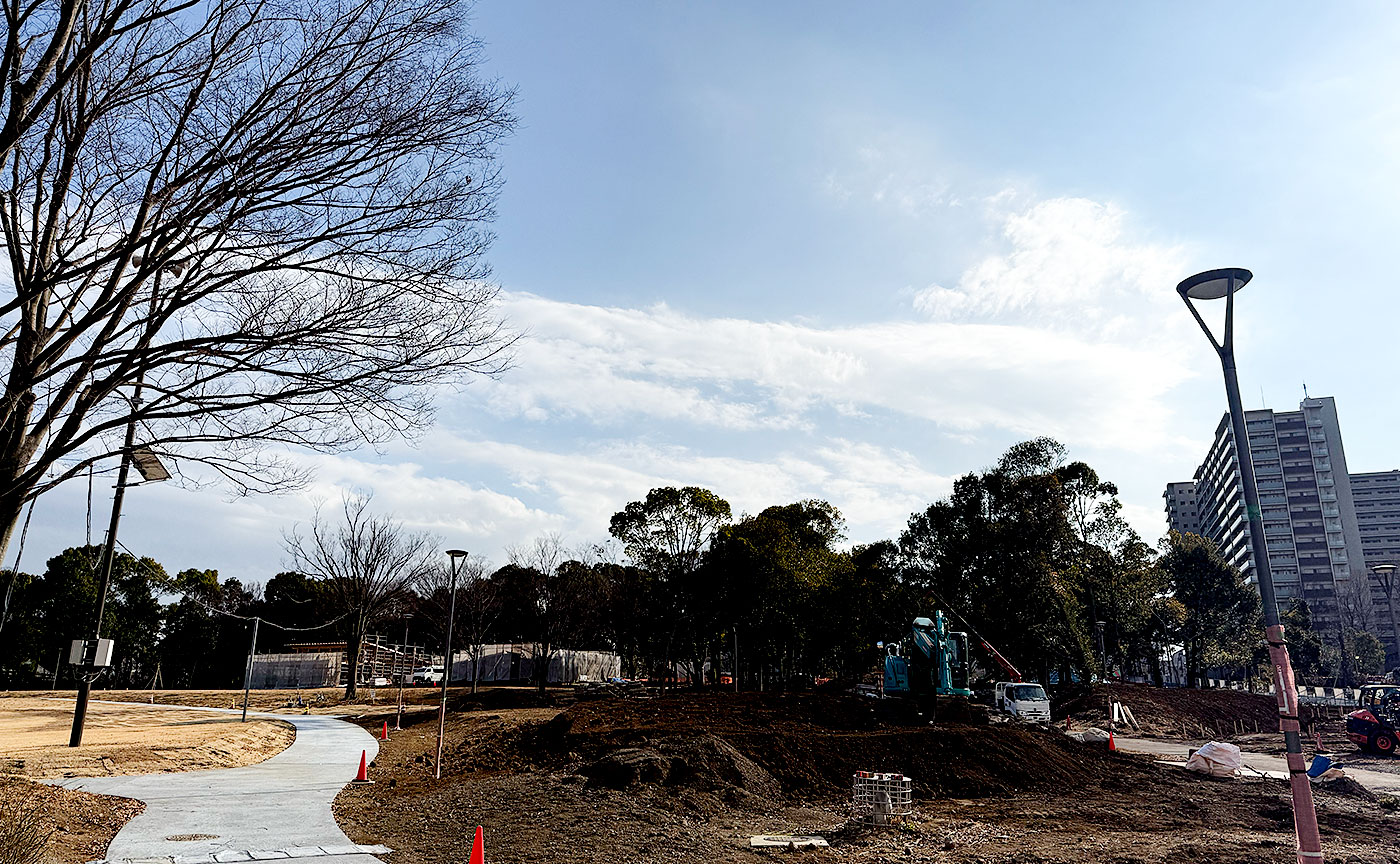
368,563
236,223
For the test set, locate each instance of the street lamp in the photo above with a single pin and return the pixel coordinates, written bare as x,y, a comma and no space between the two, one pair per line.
1385,575
456,556
1213,285
151,471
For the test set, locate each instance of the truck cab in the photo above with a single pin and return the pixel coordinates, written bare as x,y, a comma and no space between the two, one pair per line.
1025,701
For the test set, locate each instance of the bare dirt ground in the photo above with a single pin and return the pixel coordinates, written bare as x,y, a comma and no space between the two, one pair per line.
1197,716
118,739
691,777
78,826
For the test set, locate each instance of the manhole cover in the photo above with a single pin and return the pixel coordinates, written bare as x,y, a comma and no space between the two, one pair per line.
185,838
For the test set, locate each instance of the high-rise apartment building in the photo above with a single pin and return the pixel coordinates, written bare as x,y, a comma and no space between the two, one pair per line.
1377,498
1310,525
1182,512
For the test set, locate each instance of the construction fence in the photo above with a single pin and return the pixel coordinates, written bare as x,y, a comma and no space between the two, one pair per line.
1338,696
516,663
506,663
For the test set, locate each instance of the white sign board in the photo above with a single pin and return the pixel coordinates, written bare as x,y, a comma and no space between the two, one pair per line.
96,653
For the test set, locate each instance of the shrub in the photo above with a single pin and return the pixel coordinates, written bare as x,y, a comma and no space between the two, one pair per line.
25,825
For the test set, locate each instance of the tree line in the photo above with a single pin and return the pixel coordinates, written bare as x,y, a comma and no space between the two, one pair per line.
1031,554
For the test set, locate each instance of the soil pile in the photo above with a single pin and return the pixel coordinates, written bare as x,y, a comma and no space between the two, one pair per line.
800,746
686,777
1173,712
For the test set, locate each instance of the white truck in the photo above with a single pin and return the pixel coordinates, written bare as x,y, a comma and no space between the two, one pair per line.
1023,701
425,675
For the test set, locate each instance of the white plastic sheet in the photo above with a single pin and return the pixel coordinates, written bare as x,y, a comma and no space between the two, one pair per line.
1216,758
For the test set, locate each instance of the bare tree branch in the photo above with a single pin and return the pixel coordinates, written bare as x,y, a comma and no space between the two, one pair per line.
370,562
268,213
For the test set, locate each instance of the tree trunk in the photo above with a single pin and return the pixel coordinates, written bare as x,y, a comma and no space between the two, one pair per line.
352,659
11,506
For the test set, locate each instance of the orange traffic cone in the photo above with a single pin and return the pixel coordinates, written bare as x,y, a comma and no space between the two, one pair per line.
478,852
384,733
363,775
1112,748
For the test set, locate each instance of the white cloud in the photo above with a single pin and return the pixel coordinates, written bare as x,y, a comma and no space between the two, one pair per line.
1058,333
615,367
1070,265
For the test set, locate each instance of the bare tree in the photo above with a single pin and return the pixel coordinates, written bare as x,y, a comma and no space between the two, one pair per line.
47,44
370,564
542,558
238,223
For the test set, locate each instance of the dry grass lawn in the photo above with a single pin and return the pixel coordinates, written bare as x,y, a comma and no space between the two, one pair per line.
128,739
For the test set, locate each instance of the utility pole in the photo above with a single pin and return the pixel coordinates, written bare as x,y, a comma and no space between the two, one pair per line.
109,551
248,672
456,555
736,658
398,717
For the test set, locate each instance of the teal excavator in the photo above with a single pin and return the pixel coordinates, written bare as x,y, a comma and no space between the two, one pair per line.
931,662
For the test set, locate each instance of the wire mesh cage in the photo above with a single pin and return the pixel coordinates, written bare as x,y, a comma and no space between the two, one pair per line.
882,800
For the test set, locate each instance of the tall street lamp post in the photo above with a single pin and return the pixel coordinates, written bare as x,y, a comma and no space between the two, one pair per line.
456,556
1212,285
1385,575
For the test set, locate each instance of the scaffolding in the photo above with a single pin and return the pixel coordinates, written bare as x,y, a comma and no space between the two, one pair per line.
380,660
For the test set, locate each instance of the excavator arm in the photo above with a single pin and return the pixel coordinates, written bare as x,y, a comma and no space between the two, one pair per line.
1012,672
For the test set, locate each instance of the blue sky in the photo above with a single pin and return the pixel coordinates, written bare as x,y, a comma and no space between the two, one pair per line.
818,250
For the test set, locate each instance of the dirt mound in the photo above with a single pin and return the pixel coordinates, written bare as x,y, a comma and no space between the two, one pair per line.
499,698
1173,712
707,763
78,825
801,746
1347,787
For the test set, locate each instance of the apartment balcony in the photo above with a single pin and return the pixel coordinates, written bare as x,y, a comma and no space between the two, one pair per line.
1322,464
1336,541
1320,451
1325,480
1327,495
1332,511
1317,435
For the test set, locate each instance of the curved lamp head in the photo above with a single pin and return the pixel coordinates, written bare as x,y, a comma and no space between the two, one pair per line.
456,555
1384,568
1213,284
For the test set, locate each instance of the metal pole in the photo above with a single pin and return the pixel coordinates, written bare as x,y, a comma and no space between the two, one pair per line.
109,551
248,672
736,658
446,673
1285,688
402,648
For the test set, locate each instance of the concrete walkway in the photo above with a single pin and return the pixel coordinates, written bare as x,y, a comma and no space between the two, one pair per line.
1177,752
276,810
